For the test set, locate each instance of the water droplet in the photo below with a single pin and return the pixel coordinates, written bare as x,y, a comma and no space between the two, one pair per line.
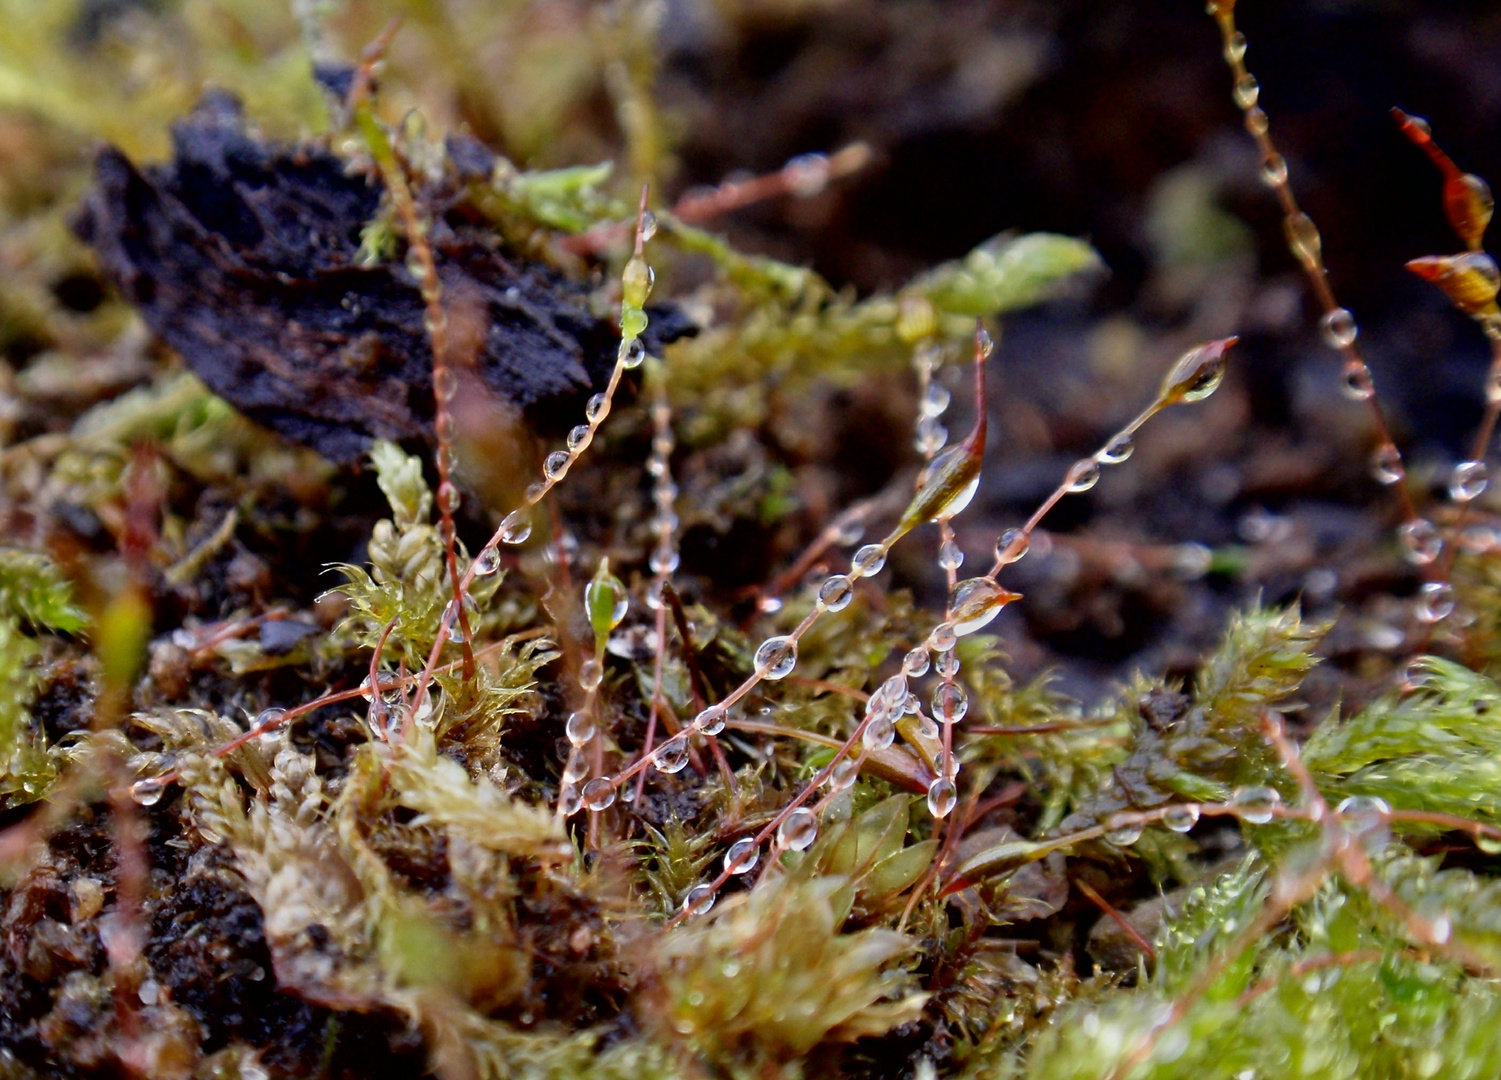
148,792
579,437
671,756
975,602
699,900
636,281
984,343
1012,545
1364,806
1192,561
935,400
591,674
451,615
915,663
1303,238
1256,121
950,703
742,856
448,497
1440,929
534,492
1435,601
950,555
599,795
711,720
1257,803
931,435
844,774
927,728
869,560
948,663
836,593
1196,374
1123,829
1468,480
580,729
1117,450
1338,328
1479,539
487,561
776,657
1420,540
605,600
943,637
570,802
880,732
574,768
799,829
556,465
806,175
1235,47
597,409
1356,383
1274,170
942,797
1386,464
632,353
664,561
446,383
1083,475
269,719
848,532
1247,90
1180,817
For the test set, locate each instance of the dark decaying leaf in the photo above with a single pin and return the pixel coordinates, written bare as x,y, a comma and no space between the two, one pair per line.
241,255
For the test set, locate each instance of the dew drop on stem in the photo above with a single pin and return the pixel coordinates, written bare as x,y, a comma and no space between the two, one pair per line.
1421,542
1435,602
1386,465
1117,450
598,795
1468,480
580,728
879,734
1123,829
869,560
591,674
487,561
776,657
742,856
1256,803
942,797
1356,382
699,900
1181,817
1083,475
670,757
1338,328
799,829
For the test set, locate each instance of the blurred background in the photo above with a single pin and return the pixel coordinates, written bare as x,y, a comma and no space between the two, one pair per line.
1109,121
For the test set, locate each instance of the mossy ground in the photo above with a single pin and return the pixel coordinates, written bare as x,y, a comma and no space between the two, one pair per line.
332,900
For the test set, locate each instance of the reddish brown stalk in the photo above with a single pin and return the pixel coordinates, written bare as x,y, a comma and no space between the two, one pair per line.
1116,917
445,624
370,56
1303,239
797,177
